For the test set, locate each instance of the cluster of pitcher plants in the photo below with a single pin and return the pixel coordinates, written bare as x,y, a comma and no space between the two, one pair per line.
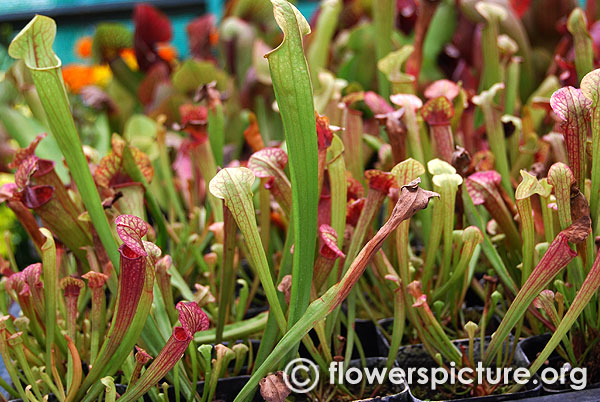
182,221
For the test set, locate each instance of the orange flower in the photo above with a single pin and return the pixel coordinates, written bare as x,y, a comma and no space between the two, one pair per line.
213,37
128,55
83,47
167,52
77,76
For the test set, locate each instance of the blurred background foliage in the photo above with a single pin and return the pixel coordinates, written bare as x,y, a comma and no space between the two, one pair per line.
78,18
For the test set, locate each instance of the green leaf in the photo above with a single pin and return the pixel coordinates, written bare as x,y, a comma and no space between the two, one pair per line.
384,17
233,186
405,172
495,132
318,52
558,255
34,45
445,182
50,290
110,37
527,188
24,130
583,297
140,131
493,14
193,73
573,108
293,91
336,169
584,46
412,198
590,87
391,67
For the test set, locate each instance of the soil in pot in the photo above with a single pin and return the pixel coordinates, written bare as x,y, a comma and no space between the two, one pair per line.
415,357
532,347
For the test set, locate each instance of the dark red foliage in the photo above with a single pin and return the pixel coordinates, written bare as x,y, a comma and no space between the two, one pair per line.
151,27
36,196
202,35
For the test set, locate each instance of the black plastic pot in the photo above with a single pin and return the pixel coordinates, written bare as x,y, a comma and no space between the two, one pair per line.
253,311
415,356
587,395
366,332
400,390
532,346
227,389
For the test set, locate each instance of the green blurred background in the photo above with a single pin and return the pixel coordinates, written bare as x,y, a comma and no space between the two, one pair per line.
78,18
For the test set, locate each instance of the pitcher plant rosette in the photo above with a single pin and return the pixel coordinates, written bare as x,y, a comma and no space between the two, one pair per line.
392,185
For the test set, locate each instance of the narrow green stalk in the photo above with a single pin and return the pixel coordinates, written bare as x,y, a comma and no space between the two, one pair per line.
433,242
384,17
573,108
562,180
216,132
271,333
405,172
135,173
232,185
427,324
15,342
547,214
471,238
590,85
203,157
34,45
293,91
525,190
411,199
511,90
318,52
558,255
397,327
134,302
336,169
492,14
379,185
226,285
584,46
411,104
488,248
583,297
50,291
445,182
167,176
352,138
10,368
495,133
